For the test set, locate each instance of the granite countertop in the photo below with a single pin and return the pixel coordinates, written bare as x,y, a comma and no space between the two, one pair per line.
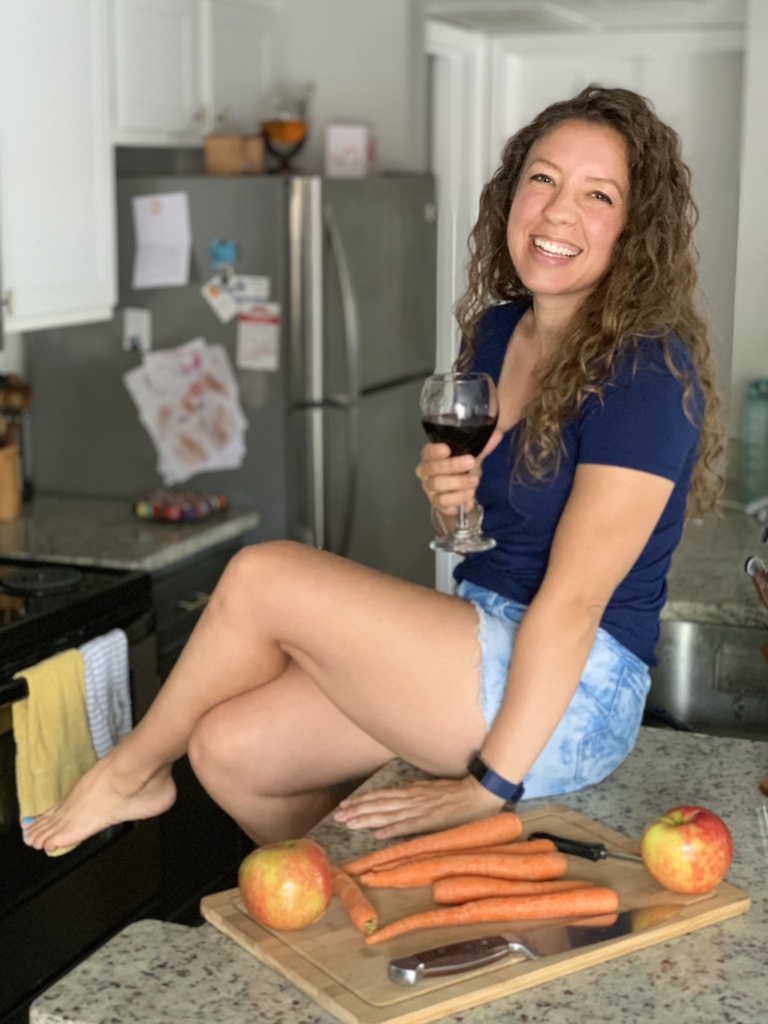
707,582
106,532
153,971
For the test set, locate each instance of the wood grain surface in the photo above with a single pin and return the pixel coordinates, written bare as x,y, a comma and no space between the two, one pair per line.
331,963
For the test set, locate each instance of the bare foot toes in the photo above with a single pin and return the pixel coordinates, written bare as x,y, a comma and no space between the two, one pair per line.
99,799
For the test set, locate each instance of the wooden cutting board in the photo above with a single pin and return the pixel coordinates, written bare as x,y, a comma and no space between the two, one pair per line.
331,963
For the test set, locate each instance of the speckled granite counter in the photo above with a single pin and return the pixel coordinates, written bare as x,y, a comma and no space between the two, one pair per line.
707,582
154,972
91,531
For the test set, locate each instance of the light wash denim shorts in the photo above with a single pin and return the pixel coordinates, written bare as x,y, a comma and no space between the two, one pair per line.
602,721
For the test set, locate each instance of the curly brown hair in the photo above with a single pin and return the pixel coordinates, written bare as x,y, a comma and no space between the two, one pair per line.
647,291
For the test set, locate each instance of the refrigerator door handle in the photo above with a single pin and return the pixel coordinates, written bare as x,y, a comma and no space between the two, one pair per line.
352,397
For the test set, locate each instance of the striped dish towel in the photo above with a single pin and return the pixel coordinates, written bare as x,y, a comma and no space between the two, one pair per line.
107,691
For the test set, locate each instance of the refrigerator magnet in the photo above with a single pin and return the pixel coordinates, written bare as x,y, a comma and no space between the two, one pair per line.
220,299
258,337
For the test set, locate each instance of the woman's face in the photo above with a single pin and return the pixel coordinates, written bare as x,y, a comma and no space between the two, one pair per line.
569,209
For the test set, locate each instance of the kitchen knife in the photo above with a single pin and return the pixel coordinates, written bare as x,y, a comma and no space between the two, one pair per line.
590,851
534,944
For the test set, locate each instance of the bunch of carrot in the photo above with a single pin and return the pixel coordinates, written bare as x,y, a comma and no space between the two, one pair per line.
478,871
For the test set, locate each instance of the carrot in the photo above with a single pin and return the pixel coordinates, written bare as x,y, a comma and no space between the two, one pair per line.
510,908
500,828
361,911
529,846
463,888
519,867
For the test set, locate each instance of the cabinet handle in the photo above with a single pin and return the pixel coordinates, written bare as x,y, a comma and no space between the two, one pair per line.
200,117
191,604
224,118
7,301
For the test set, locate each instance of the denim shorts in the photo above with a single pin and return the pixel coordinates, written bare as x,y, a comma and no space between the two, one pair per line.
601,724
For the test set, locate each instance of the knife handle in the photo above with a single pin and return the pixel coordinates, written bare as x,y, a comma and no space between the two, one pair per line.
453,959
589,851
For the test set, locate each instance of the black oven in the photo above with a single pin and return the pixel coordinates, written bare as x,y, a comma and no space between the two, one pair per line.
54,910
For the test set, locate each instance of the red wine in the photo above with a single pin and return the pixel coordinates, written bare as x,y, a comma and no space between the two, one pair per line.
463,437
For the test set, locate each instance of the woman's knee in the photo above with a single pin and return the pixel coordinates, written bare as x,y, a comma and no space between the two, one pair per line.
223,753
258,569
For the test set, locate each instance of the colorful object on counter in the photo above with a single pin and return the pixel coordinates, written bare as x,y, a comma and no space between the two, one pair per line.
179,506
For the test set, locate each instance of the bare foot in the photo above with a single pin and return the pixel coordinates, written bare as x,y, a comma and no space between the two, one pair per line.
102,797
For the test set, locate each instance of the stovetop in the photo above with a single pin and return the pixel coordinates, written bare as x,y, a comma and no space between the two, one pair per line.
46,608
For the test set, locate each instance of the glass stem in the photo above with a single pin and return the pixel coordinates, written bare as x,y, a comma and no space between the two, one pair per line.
462,525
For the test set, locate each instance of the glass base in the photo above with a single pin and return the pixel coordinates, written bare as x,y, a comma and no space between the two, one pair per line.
468,544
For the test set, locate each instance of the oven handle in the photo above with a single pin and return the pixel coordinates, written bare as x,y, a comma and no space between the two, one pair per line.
12,690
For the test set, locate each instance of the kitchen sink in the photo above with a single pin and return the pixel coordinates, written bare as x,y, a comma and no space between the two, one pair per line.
712,678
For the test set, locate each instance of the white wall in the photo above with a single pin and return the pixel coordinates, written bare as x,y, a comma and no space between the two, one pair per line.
366,59
750,341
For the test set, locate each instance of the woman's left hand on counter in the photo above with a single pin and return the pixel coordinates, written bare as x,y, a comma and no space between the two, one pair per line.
427,806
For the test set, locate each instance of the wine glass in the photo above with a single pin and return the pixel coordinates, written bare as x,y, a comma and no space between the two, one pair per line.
460,410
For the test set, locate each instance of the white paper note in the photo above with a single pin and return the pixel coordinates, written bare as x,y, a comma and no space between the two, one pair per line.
220,299
248,288
163,233
188,401
258,337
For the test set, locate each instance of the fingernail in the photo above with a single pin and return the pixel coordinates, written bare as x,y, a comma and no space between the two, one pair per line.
27,821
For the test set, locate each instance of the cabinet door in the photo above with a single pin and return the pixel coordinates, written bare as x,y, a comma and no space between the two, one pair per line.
244,44
56,166
157,71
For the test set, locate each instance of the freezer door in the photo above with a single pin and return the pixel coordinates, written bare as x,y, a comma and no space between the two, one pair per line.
375,512
383,229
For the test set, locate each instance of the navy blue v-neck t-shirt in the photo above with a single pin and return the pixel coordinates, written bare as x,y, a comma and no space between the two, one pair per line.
640,424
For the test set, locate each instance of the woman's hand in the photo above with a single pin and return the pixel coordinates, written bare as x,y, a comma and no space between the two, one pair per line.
427,806
450,481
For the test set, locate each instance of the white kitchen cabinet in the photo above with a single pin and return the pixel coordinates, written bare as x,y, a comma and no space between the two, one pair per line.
184,68
57,232
156,70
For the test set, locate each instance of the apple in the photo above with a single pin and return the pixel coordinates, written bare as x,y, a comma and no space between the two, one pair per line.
688,849
286,886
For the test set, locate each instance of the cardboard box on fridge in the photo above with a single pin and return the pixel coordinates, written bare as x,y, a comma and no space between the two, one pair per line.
234,154
350,150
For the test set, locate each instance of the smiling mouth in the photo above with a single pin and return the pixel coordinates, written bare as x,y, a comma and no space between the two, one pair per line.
549,248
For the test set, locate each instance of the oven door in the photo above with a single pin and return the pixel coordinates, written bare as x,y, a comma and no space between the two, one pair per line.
54,910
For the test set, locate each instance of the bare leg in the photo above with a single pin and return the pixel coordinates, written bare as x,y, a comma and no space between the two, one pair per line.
397,660
278,758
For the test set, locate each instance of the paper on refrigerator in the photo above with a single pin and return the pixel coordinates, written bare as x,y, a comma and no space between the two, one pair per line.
189,403
163,233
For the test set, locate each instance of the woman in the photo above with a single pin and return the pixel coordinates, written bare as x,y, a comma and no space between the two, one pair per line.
307,672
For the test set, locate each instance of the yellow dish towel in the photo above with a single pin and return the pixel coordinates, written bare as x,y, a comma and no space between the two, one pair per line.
53,742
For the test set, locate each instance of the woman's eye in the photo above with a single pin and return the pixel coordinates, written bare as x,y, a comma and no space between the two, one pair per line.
540,177
603,198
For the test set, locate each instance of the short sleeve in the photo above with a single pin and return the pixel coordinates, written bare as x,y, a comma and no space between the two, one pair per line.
641,423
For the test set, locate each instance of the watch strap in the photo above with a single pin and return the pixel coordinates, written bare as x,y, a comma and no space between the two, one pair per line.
495,783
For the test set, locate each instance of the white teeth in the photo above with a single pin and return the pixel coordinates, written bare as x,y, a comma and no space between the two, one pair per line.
553,248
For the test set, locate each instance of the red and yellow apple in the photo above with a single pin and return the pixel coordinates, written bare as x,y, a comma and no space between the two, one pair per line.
688,849
286,886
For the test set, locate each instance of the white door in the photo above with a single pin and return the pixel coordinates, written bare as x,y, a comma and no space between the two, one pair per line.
243,45
56,170
157,73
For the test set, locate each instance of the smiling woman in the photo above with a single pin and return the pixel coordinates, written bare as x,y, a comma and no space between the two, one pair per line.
307,672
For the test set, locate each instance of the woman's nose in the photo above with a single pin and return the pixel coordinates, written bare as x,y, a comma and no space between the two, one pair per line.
561,207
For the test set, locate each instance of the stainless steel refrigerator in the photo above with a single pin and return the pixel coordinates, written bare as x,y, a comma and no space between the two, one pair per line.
334,436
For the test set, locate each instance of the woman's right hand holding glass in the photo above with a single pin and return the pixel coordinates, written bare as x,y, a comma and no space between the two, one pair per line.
452,480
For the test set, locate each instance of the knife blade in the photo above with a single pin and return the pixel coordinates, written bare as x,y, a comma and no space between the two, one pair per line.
460,957
579,848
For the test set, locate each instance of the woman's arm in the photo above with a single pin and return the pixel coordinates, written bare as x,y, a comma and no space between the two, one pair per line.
607,521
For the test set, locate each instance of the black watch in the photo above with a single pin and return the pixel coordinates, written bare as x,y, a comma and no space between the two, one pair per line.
494,783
